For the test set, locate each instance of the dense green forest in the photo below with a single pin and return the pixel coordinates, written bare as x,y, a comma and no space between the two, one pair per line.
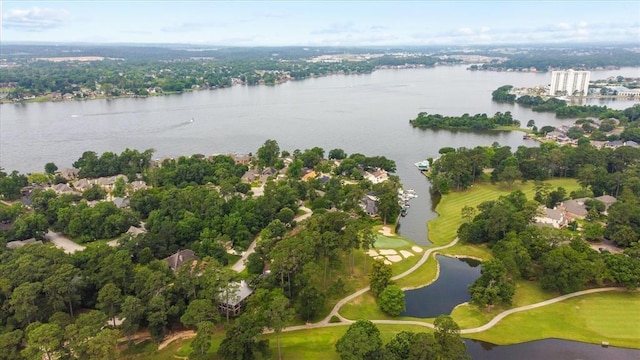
56,305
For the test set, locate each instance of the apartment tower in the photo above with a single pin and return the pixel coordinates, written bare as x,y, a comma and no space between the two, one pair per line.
569,83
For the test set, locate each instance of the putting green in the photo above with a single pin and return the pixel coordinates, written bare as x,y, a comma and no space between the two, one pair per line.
385,242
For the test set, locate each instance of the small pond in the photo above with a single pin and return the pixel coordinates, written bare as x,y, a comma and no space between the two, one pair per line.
448,291
547,349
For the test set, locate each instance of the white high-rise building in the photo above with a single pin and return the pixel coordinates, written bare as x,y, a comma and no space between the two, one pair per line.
569,83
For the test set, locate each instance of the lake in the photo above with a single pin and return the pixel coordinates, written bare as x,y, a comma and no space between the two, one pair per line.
367,113
448,291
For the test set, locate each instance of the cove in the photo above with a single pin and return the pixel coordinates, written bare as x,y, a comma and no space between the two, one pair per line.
548,349
448,291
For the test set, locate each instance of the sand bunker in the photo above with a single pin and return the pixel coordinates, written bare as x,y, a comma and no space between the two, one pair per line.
394,258
387,262
406,253
416,249
372,252
386,231
387,252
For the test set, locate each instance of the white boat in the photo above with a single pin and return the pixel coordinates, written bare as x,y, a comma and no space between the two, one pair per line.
422,165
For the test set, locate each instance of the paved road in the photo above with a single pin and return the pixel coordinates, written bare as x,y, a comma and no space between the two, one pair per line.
63,243
240,265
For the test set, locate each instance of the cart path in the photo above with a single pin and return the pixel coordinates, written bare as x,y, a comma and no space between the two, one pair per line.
482,328
423,259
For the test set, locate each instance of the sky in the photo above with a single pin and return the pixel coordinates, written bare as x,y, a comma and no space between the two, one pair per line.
321,23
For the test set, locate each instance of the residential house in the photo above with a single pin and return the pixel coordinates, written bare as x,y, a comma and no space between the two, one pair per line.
181,257
62,189
614,144
241,159
82,185
121,203
553,135
574,209
551,217
370,204
267,173
248,177
27,192
234,298
309,176
324,178
135,231
69,173
376,177
138,185
607,200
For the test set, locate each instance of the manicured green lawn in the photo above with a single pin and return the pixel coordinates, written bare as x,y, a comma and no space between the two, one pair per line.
443,229
310,344
612,316
527,292
385,242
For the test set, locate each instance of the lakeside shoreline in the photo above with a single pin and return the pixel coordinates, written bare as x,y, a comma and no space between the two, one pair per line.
47,97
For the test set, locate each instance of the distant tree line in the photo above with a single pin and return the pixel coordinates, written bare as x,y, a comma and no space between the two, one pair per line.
565,58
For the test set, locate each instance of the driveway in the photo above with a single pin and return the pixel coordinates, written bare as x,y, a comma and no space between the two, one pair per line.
240,265
63,243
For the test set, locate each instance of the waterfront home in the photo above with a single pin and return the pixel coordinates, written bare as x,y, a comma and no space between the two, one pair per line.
69,173
376,177
370,204
241,159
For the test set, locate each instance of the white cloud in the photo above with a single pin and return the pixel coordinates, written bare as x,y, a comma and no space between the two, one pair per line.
34,19
563,26
583,24
485,29
185,27
337,28
465,31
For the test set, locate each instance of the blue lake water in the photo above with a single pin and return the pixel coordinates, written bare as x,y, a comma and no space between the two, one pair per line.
448,291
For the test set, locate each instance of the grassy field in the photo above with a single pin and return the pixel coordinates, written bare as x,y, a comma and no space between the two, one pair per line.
311,344
610,316
527,292
442,230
